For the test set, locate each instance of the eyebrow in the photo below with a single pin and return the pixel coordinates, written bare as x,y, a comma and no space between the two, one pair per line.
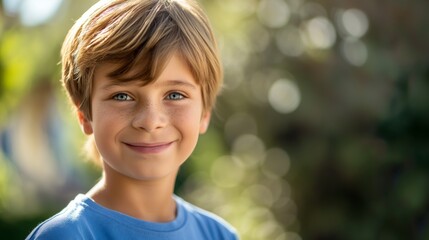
114,83
179,83
175,82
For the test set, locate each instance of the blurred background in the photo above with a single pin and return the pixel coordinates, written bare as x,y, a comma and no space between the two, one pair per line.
321,131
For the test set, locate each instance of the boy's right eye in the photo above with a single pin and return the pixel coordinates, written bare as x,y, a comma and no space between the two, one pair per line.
122,97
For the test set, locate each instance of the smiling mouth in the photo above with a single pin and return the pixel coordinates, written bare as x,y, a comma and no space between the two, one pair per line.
149,148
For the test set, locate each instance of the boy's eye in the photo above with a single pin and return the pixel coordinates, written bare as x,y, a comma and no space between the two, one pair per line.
175,96
122,97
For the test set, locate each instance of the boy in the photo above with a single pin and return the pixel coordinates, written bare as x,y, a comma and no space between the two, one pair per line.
143,76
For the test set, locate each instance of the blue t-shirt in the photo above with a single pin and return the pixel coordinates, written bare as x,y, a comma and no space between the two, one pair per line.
85,219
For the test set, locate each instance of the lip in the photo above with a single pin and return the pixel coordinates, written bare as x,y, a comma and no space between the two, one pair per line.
149,148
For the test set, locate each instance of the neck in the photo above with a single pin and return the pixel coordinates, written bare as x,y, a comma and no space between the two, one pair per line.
149,200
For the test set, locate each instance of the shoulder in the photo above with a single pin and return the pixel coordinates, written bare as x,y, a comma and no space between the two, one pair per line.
58,226
209,221
66,224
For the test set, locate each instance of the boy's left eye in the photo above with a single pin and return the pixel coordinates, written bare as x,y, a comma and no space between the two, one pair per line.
122,97
175,96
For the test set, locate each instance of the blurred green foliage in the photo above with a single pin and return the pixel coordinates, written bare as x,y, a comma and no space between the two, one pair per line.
338,149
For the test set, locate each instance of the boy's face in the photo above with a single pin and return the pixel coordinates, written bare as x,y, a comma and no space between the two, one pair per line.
146,132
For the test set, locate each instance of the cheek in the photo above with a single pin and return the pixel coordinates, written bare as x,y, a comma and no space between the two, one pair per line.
186,117
106,115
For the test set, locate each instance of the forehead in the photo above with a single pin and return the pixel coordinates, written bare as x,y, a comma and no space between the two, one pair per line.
174,69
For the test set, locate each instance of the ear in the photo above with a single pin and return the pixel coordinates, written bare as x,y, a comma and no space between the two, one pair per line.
205,121
84,123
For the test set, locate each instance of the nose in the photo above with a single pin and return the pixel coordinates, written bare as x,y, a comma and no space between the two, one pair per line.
149,117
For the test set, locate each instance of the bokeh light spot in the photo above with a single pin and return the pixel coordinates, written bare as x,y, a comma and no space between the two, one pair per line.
276,164
258,37
261,194
355,22
251,219
284,96
319,33
249,149
268,230
11,7
33,12
310,10
354,51
273,13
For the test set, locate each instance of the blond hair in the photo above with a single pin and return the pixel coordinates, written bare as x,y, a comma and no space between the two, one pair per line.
143,35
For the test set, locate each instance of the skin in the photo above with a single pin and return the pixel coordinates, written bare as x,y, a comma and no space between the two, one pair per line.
144,133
